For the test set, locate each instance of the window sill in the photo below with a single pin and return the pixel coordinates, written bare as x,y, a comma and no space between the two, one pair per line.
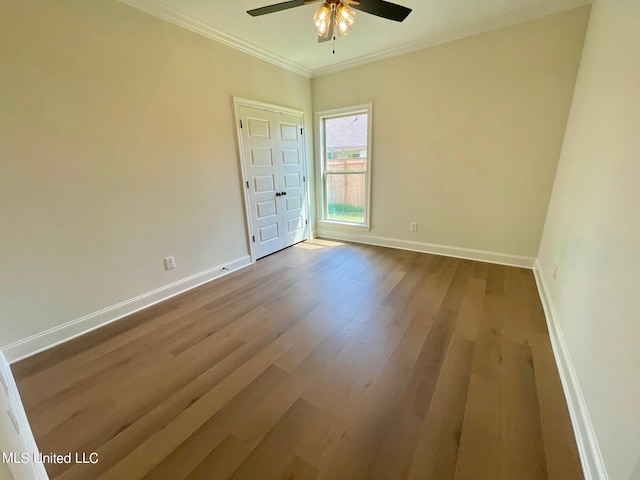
333,225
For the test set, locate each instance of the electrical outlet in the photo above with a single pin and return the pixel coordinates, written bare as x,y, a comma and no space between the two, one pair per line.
413,227
169,263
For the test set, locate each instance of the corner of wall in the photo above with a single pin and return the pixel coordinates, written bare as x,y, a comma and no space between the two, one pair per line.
592,463
16,437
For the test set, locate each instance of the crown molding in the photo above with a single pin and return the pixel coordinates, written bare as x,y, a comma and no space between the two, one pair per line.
176,17
449,35
170,14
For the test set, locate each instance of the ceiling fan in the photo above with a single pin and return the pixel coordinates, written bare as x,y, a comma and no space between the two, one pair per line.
338,15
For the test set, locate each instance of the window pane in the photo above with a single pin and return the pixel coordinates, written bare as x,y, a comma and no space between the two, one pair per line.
346,197
346,142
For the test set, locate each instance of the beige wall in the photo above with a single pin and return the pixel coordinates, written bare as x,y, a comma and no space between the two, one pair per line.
592,233
467,135
5,473
117,149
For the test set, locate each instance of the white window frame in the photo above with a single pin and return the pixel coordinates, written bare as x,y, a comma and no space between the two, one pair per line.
321,174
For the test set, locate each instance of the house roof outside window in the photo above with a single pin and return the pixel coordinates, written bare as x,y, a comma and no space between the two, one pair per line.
347,133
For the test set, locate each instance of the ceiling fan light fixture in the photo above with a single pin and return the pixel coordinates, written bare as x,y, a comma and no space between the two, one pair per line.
322,29
345,16
345,13
322,19
343,28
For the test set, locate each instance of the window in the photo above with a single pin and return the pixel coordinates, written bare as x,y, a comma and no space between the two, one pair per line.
345,166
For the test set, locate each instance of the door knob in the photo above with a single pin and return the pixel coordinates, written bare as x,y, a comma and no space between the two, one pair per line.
283,193
278,194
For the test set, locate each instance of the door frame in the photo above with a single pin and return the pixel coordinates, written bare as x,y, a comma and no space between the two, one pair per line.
244,102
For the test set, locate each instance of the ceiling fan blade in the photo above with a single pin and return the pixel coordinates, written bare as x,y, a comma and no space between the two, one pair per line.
277,7
383,9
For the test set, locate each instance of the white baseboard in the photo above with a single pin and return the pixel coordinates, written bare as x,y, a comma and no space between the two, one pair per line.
590,456
49,338
16,435
458,252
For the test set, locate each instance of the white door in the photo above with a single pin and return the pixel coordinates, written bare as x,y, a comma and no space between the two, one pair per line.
274,168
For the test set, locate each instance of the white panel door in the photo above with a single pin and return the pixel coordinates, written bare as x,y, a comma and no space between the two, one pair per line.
273,158
292,179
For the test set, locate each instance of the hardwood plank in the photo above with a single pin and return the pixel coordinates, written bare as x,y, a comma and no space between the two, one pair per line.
481,270
273,456
407,416
432,293
480,448
417,394
437,451
523,456
481,440
198,446
561,452
322,322
356,435
222,461
495,280
470,313
404,289
457,288
298,469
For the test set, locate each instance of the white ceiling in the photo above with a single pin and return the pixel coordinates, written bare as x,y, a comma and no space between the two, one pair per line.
288,39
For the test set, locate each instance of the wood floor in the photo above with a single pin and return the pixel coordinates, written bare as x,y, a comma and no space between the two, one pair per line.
323,361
